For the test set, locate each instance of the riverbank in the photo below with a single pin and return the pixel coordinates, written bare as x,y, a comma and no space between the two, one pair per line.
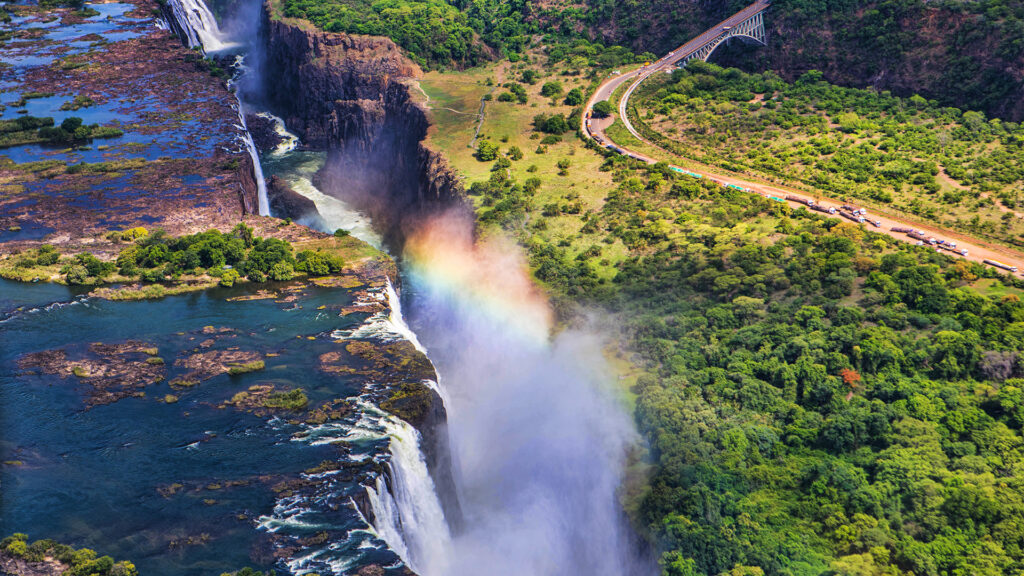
279,351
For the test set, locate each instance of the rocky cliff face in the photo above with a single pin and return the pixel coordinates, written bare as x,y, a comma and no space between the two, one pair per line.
962,55
350,95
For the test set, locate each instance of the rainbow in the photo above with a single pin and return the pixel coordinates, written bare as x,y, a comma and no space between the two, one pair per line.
488,277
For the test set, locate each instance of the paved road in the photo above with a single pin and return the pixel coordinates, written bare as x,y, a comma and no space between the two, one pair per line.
595,129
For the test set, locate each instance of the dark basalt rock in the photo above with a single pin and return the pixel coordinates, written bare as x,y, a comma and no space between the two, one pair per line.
287,203
263,132
350,95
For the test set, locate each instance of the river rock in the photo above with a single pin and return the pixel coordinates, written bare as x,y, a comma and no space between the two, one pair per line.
264,132
285,202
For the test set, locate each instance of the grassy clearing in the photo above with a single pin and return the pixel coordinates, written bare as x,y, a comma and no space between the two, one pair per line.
510,124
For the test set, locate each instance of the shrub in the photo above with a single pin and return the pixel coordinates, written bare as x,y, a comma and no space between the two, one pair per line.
17,548
228,278
291,400
318,263
246,367
574,97
603,109
551,89
133,234
47,255
341,233
281,271
486,151
77,274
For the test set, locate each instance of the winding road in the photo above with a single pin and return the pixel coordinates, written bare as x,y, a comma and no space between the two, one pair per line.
594,129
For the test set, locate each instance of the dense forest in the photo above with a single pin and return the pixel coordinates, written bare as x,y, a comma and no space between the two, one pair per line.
939,164
816,397
964,54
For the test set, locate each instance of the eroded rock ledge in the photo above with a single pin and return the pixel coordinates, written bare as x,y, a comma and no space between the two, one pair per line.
351,95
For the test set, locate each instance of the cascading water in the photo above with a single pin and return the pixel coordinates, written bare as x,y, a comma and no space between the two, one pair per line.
289,141
539,441
408,515
261,182
200,29
198,24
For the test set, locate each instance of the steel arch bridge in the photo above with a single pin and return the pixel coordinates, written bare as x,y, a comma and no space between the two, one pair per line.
752,29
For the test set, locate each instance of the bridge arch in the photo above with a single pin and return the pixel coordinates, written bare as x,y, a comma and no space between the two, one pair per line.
750,29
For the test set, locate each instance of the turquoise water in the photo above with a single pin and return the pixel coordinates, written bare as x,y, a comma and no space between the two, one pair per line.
99,477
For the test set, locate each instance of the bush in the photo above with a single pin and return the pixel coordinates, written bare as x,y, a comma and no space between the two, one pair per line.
574,97
341,233
555,124
551,89
602,109
246,367
281,271
77,275
486,151
47,255
318,263
291,400
229,277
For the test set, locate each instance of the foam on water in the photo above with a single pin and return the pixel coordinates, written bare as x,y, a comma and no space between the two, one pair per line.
288,140
408,515
199,25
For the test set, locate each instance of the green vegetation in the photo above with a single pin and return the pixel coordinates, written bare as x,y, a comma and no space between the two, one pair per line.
154,257
860,42
78,102
71,131
245,368
461,34
816,398
291,400
941,165
83,562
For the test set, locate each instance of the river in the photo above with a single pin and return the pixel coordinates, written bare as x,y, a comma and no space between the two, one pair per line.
538,435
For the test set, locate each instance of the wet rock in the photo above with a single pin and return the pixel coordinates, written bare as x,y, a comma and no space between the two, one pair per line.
205,365
111,371
351,96
10,565
264,132
287,203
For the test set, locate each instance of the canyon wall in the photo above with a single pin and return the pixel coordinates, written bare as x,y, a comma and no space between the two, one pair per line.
350,95
964,54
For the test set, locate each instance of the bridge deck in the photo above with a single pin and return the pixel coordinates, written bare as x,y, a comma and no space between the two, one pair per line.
711,34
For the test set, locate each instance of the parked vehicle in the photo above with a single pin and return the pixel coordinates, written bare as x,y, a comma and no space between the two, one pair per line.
999,264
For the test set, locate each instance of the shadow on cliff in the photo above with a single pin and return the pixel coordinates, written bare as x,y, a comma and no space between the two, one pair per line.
538,436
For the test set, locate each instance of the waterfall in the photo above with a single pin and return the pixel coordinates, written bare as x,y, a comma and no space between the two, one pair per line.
257,168
199,25
398,321
408,516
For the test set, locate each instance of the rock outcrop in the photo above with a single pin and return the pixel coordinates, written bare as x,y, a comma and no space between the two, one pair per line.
287,203
350,95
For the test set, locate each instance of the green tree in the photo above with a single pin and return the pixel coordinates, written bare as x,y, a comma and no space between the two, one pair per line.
602,109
